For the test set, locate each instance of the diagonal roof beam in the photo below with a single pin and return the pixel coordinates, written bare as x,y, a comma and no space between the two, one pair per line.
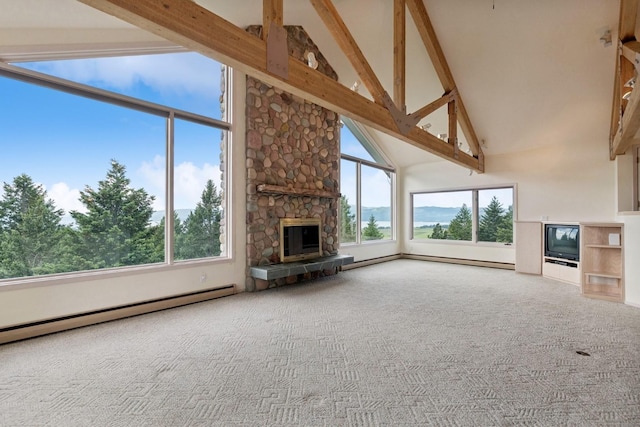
338,29
428,35
188,24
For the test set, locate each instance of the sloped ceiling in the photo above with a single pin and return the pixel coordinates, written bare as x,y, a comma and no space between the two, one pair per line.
531,73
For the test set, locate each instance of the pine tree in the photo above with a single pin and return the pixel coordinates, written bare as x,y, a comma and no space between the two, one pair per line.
490,221
371,232
29,229
201,236
505,230
115,230
347,221
460,226
438,232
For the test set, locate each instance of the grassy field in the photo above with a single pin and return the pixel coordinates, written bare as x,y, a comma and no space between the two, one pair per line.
423,232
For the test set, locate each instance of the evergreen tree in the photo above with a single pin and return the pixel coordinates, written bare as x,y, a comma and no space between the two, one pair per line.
201,236
115,230
347,221
29,229
460,226
490,221
371,232
505,230
438,232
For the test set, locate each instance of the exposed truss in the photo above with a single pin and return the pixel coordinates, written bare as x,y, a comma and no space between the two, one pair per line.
199,29
625,112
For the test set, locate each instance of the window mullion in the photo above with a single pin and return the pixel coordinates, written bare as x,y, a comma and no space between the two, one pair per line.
169,202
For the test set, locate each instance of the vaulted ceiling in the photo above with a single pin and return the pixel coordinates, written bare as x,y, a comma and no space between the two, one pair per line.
529,74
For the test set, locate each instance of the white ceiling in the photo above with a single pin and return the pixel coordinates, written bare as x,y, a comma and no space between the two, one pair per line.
531,73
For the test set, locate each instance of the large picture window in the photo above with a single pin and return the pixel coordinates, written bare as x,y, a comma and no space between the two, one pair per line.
96,152
477,215
366,187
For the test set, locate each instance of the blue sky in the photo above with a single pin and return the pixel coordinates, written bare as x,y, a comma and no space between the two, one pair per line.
65,142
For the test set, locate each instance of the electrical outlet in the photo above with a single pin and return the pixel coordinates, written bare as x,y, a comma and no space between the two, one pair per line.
203,277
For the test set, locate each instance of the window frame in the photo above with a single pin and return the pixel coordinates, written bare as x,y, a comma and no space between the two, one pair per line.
475,215
381,163
169,114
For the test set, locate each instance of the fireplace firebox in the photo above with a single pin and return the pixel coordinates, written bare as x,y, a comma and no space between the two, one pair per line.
300,238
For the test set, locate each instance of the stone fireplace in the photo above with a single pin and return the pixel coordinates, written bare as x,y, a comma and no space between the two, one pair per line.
292,161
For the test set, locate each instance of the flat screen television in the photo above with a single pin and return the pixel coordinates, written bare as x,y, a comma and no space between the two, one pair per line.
562,241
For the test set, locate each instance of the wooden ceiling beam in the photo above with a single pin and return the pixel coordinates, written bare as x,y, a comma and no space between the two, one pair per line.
272,11
430,41
433,106
338,29
196,28
629,127
625,114
399,54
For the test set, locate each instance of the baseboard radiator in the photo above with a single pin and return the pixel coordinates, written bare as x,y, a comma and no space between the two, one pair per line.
477,263
490,264
31,330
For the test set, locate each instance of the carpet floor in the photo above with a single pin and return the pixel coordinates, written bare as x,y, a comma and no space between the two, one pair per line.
403,343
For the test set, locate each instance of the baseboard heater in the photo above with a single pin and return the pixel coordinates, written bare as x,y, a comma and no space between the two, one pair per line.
35,329
476,263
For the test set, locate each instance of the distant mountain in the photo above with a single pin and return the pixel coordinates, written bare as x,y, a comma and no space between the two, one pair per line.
421,214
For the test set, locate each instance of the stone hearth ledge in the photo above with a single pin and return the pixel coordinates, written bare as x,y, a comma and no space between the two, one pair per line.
276,271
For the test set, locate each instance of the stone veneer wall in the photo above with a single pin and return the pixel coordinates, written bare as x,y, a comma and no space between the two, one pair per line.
292,144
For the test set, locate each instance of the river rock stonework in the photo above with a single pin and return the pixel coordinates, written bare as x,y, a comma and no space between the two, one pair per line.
292,144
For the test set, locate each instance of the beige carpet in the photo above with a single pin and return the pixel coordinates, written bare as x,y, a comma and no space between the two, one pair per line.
404,343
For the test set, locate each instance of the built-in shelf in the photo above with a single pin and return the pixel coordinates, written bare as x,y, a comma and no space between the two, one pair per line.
279,189
602,261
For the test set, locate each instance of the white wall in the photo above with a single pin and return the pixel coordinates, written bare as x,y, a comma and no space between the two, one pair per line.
559,183
631,256
40,299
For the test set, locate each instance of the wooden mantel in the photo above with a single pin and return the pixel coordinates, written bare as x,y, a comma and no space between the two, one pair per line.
278,189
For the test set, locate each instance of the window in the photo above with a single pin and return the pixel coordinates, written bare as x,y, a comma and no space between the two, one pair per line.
443,216
367,188
480,215
96,151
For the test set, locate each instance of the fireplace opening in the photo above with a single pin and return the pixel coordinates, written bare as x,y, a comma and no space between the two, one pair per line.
300,239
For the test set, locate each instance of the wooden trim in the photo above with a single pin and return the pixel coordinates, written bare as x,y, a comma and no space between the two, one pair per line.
188,24
272,11
338,29
430,41
399,54
32,330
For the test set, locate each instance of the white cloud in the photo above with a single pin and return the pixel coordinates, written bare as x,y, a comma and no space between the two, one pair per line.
66,198
189,181
167,73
